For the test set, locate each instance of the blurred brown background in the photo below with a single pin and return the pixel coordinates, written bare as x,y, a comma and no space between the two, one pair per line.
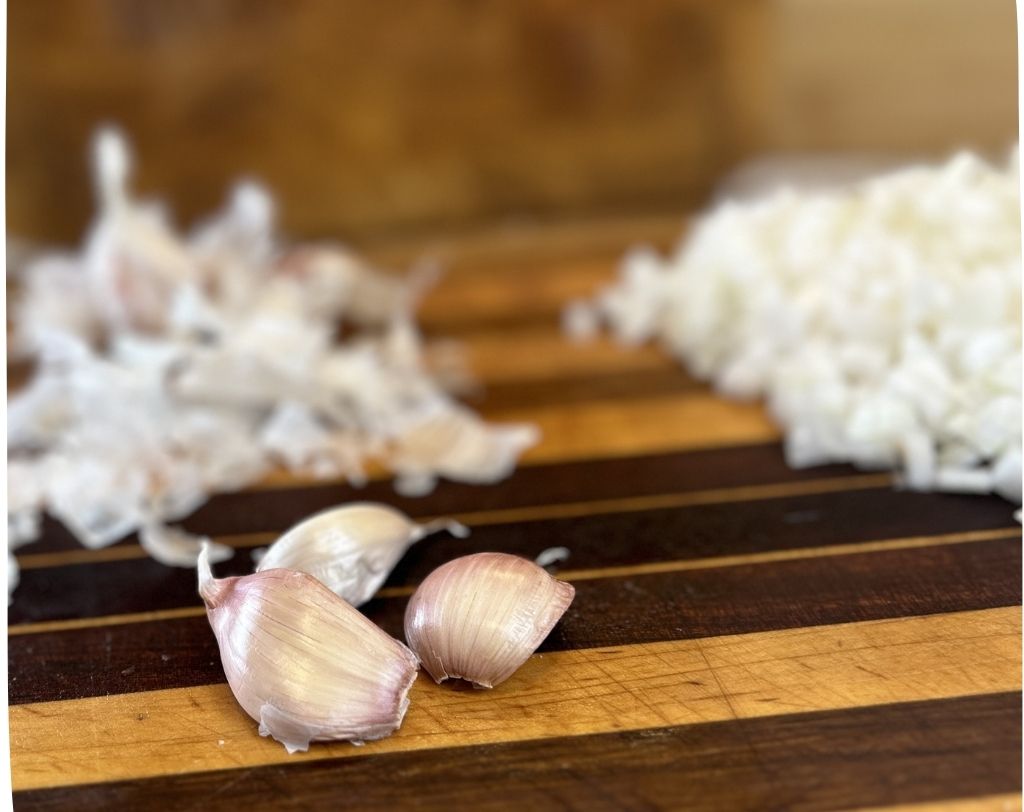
370,118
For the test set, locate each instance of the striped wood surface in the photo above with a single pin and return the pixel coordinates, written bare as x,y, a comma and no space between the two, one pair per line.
744,636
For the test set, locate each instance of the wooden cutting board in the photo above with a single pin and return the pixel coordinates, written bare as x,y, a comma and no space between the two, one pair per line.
744,636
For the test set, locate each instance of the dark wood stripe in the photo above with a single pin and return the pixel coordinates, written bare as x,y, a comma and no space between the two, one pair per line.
596,573
755,598
277,509
529,513
18,374
466,324
888,754
606,612
695,531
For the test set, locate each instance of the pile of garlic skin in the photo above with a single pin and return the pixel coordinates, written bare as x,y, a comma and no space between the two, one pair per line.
171,367
880,322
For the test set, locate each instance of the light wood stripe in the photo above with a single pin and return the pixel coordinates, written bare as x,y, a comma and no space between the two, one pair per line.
989,803
773,556
528,513
568,693
105,620
45,626
643,426
615,429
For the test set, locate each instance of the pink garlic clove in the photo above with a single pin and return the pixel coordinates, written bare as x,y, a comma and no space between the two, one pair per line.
302,662
481,616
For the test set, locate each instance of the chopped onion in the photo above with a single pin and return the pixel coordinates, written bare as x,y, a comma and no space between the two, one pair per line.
880,322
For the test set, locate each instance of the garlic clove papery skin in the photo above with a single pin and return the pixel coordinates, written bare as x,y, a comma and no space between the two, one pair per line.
351,549
480,617
304,663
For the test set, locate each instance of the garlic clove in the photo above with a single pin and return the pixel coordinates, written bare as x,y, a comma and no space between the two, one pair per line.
481,616
351,549
302,662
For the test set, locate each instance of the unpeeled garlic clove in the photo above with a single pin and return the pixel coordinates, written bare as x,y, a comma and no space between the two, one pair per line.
304,663
351,549
481,616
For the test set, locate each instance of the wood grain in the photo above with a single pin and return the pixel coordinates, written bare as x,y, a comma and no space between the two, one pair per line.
576,693
567,390
128,550
277,508
526,246
366,121
911,754
643,426
695,599
700,530
754,468
492,300
742,471
936,72
1008,802
878,628
542,354
678,565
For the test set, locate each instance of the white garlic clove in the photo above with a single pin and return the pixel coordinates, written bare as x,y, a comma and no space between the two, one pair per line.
304,663
351,549
481,616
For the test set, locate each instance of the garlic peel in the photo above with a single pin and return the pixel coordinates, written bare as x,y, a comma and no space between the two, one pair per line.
172,366
480,617
174,547
304,663
351,549
552,556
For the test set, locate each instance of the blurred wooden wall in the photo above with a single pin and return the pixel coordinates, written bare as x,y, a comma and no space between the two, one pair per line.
368,117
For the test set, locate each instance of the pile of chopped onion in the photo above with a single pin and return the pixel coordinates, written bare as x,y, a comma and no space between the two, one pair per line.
169,368
880,322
